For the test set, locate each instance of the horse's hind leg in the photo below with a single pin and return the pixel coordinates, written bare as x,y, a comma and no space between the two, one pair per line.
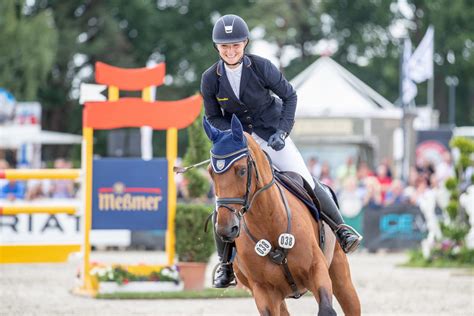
342,283
320,286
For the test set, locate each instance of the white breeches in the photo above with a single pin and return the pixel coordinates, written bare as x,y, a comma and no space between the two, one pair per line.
287,159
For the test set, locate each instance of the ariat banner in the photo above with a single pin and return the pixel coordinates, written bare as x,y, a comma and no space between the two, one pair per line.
130,194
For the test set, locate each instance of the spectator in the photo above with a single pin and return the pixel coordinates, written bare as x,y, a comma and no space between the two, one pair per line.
345,171
325,176
387,162
314,167
410,190
373,194
384,180
62,188
394,194
13,190
35,189
425,169
350,198
3,165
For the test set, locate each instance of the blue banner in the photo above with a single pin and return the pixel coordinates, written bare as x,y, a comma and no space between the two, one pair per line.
130,193
399,226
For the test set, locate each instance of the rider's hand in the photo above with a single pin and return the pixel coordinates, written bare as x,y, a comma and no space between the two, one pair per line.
277,140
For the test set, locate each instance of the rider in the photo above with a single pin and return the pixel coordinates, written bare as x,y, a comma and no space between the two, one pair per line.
242,84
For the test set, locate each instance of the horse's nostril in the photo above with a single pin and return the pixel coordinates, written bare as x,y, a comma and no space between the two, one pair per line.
235,230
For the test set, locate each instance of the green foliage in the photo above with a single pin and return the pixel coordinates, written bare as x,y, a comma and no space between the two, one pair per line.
447,257
192,243
200,294
198,150
28,49
465,145
455,232
121,275
451,184
452,209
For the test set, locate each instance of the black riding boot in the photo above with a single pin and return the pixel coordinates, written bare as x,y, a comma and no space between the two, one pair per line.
347,236
224,276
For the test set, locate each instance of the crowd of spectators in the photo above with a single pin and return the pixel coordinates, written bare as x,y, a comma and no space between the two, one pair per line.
360,185
34,189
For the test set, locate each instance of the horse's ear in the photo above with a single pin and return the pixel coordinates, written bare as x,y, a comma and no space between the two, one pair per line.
211,132
237,129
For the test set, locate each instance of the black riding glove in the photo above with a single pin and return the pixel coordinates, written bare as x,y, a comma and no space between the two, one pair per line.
277,140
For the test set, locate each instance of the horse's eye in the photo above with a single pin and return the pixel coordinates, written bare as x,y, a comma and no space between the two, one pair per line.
242,171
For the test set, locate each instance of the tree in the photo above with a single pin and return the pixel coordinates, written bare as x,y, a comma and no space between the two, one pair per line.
28,49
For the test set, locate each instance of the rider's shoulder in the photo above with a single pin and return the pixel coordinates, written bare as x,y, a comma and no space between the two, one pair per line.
210,72
259,60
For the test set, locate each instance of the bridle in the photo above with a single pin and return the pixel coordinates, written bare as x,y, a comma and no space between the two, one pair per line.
246,202
277,255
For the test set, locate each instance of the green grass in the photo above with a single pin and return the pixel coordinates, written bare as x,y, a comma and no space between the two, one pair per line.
416,260
203,294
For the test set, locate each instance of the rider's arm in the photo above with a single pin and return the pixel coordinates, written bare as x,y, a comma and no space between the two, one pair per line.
212,108
284,90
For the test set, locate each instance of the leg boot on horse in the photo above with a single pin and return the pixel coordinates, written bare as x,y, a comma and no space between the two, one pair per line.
347,236
224,276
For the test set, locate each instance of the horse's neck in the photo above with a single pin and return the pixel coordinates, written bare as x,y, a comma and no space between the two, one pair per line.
267,217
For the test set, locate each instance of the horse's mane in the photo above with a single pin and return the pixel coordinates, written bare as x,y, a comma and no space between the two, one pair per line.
258,155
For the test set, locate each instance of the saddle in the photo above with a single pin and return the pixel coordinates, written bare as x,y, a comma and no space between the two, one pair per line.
300,188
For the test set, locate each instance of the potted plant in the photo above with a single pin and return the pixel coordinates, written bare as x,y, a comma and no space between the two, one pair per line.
194,247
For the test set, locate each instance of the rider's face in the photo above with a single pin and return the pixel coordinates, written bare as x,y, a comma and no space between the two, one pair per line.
231,53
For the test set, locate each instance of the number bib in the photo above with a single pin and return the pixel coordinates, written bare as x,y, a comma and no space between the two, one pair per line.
263,247
286,241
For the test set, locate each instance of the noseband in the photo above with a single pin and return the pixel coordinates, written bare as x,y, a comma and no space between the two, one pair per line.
245,201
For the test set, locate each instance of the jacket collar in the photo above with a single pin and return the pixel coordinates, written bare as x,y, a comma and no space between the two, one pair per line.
247,62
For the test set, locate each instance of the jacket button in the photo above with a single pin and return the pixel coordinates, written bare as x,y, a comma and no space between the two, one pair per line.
250,126
248,118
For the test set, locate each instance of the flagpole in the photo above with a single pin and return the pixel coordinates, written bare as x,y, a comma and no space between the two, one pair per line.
430,92
403,106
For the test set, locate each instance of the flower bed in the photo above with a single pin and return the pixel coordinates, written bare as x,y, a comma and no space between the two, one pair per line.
117,279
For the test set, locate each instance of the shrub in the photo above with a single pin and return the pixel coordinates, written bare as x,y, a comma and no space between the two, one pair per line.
192,243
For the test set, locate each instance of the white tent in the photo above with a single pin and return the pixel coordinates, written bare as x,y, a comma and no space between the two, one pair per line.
13,136
326,89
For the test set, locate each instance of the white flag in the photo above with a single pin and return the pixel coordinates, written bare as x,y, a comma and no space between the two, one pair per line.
90,92
420,66
409,90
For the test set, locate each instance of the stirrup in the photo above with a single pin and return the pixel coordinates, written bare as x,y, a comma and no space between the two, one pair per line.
357,238
352,229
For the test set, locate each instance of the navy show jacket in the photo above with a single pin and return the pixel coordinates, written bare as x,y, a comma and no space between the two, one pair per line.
257,108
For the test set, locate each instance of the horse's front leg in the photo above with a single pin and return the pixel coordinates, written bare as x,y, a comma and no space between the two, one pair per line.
321,287
268,302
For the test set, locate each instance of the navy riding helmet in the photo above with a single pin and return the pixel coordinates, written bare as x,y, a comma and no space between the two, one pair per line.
230,29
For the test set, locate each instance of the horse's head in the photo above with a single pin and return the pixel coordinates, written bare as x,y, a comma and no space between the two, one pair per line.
232,171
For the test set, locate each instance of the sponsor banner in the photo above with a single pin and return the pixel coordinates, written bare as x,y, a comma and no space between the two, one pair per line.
40,229
130,194
393,227
432,144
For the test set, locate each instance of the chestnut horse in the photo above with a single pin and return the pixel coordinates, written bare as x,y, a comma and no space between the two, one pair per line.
247,196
